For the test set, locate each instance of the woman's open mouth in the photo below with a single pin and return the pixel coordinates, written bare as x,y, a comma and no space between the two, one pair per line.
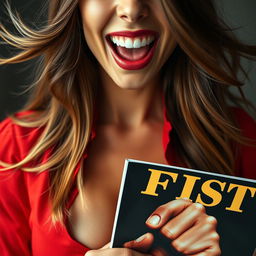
132,49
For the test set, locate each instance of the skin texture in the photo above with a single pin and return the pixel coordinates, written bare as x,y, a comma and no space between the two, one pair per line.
130,110
103,17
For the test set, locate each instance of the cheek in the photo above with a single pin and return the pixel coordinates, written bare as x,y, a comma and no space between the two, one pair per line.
93,14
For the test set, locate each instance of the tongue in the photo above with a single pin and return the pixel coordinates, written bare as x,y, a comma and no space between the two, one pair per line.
133,53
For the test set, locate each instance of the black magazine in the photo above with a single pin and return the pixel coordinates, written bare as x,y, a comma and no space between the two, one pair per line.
233,201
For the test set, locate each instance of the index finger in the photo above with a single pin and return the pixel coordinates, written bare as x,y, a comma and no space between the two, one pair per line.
164,212
141,244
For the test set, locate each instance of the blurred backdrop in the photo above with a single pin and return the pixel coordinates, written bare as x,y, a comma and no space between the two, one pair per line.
15,78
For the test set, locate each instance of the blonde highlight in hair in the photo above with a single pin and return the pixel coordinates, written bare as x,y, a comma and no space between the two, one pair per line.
62,97
197,76
196,79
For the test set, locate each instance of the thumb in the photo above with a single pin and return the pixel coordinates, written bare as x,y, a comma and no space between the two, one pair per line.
141,244
106,246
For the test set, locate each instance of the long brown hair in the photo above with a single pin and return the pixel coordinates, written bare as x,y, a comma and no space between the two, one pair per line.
196,78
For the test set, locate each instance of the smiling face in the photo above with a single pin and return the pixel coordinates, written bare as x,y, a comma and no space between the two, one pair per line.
131,39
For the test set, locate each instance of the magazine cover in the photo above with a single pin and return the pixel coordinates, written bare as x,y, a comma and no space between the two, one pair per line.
145,186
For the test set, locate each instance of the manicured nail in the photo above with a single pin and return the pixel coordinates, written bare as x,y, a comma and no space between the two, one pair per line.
154,220
139,239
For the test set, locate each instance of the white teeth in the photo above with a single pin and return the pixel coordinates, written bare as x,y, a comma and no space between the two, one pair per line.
118,41
136,43
150,39
121,41
129,43
144,42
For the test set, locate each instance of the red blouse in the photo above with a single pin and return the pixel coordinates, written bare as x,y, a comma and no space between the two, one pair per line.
24,203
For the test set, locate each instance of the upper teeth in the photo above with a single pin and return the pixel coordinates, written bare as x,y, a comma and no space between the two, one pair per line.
129,42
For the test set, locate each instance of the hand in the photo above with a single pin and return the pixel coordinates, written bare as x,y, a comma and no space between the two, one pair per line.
143,244
107,251
191,231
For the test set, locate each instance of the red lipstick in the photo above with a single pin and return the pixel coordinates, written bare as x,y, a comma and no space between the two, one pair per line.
132,34
138,63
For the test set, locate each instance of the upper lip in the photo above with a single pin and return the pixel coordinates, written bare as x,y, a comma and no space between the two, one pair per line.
132,34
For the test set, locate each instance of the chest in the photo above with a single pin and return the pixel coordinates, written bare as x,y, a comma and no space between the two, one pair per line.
92,224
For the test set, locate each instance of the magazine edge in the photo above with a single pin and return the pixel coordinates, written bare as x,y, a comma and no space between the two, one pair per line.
119,200
194,170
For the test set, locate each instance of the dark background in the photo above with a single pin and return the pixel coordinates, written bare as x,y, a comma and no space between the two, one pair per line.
16,77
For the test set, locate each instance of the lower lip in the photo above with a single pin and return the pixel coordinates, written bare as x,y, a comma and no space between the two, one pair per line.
136,64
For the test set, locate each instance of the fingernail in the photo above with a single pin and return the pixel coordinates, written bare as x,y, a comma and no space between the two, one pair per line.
154,220
139,239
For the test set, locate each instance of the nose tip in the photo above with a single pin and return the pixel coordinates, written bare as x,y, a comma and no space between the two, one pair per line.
132,10
130,19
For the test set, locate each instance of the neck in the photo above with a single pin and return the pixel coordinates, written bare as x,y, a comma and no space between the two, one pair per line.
130,108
